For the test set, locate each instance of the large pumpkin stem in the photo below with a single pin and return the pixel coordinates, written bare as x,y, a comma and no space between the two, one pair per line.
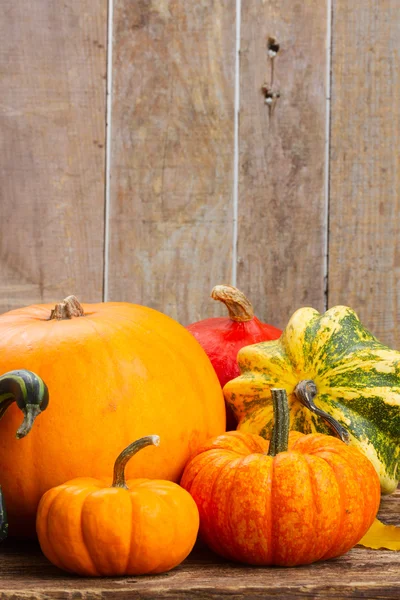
126,455
29,392
239,307
306,391
280,433
67,309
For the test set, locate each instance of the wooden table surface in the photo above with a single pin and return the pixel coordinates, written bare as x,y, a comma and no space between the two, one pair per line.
361,573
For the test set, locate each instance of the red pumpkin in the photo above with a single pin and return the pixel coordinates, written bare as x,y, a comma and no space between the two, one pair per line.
223,337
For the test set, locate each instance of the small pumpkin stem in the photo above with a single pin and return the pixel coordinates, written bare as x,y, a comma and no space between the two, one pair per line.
127,454
280,433
306,391
67,309
239,307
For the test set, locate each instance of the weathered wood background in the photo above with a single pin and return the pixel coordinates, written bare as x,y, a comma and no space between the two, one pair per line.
183,176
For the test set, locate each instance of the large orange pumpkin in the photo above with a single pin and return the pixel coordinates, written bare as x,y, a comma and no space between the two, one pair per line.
115,372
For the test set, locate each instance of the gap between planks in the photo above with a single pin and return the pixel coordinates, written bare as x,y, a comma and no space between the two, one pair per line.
235,194
328,76
107,193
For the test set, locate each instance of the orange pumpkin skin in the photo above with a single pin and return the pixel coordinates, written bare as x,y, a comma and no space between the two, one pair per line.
88,528
117,373
313,502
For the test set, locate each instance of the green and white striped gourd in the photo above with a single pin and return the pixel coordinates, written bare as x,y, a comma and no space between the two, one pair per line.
331,365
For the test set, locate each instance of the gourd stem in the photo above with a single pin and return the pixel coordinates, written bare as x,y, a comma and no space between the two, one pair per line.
306,391
127,454
280,432
31,411
239,307
28,391
69,308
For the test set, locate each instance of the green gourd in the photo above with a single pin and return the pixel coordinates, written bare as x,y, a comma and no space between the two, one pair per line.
339,378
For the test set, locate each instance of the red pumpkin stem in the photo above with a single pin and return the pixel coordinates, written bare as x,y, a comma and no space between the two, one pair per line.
127,454
280,432
306,391
239,307
67,309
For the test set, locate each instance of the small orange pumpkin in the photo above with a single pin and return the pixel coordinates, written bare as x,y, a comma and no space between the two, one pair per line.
311,497
131,528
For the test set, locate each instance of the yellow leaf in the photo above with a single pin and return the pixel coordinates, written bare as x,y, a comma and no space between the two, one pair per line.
380,535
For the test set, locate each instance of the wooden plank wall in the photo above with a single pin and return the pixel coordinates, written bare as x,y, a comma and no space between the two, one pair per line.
364,248
52,123
281,236
172,153
297,202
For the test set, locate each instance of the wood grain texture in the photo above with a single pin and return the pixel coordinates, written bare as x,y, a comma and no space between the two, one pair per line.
281,214
172,154
361,573
364,249
52,119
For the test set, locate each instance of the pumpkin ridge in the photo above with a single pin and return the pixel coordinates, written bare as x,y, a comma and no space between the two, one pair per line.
47,502
237,552
220,546
311,457
63,495
314,491
335,538
136,532
252,487
130,550
165,566
54,551
361,499
205,460
231,468
95,568
270,518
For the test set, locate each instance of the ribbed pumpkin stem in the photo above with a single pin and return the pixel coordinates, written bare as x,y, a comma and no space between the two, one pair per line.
69,308
280,432
239,307
127,454
306,391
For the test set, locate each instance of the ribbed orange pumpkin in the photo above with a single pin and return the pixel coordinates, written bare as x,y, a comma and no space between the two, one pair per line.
313,501
137,527
115,371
